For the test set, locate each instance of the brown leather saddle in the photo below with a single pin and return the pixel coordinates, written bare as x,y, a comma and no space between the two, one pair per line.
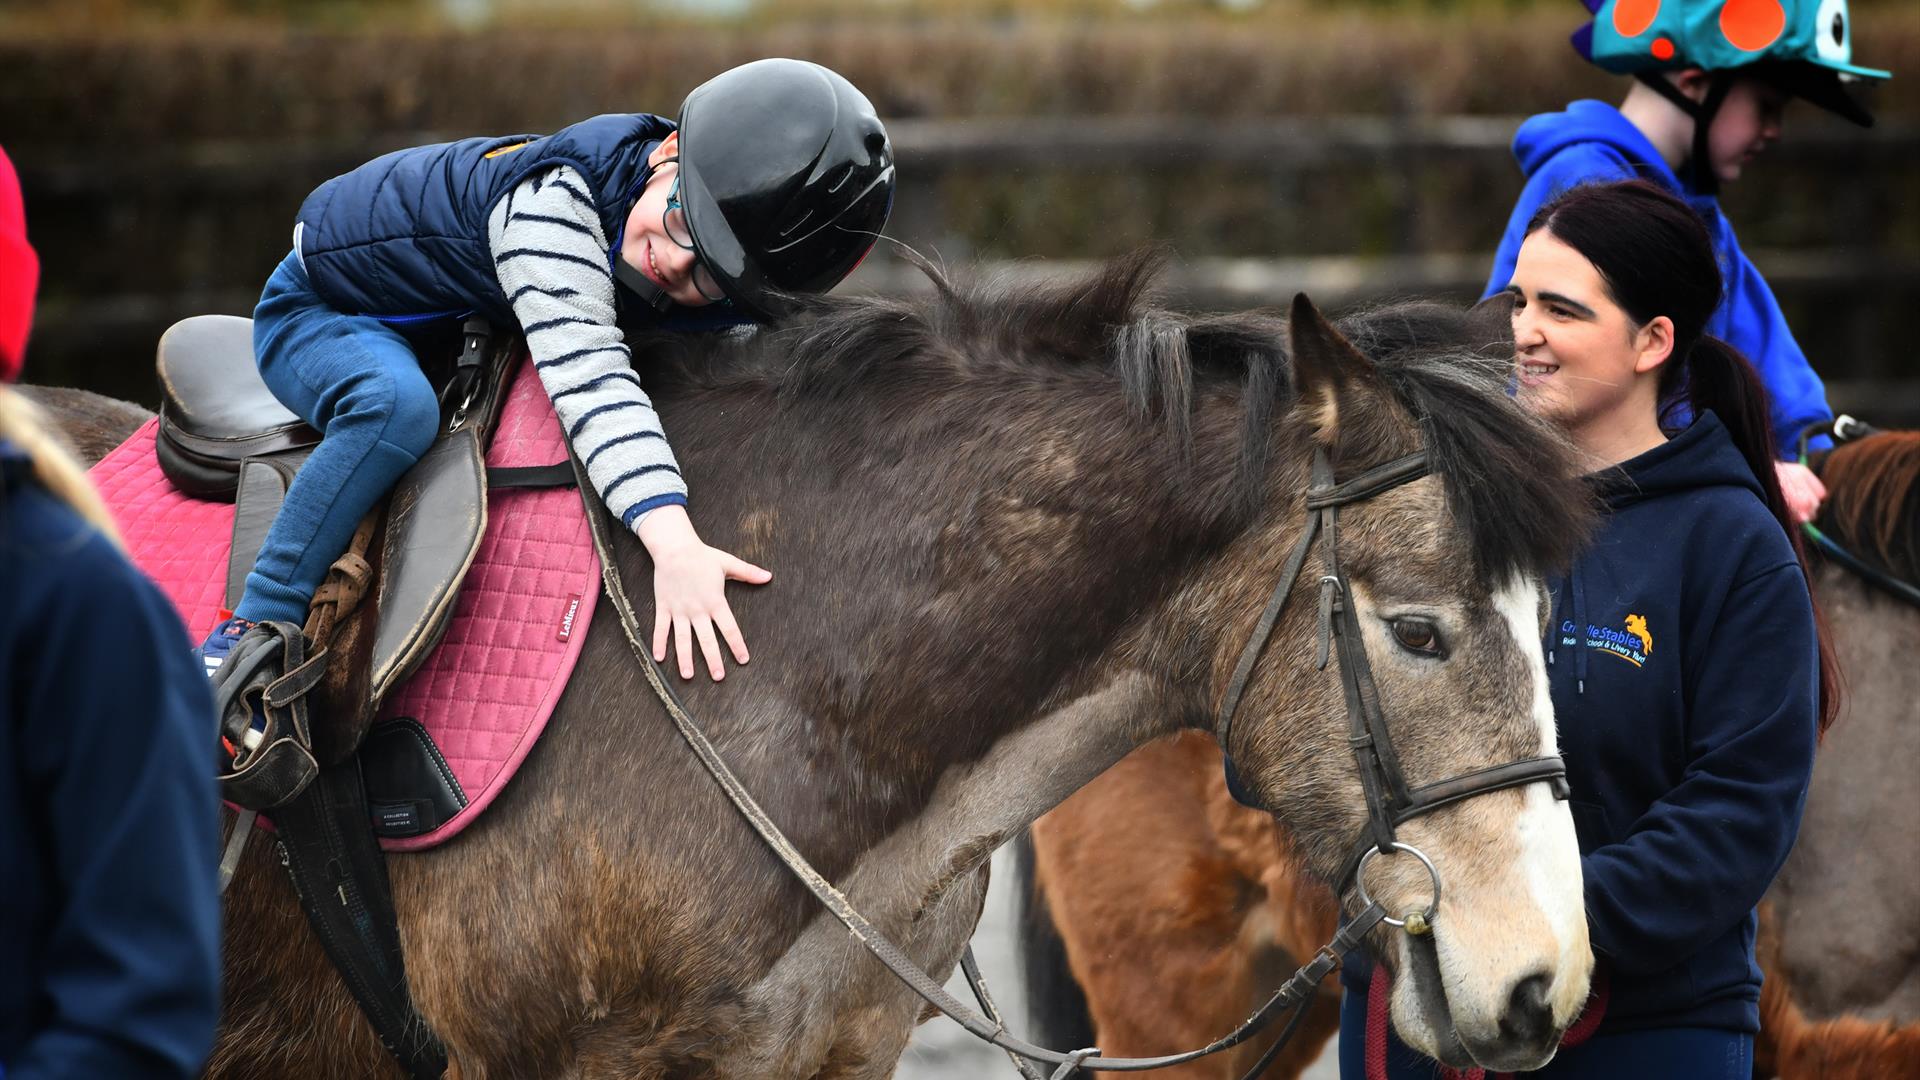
383,608
224,436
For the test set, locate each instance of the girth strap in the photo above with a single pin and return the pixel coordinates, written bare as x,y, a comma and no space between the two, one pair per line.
502,477
327,845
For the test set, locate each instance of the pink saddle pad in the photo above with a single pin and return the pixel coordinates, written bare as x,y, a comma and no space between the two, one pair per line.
486,692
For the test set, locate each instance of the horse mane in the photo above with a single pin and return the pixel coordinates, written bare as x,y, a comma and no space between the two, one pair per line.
1873,500
1505,473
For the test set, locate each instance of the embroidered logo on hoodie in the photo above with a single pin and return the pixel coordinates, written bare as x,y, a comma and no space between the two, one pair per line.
1633,644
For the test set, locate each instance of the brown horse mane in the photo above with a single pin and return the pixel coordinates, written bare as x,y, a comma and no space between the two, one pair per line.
1873,501
1791,1043
1505,473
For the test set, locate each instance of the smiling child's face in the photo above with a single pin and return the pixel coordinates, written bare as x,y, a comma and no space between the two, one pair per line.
647,247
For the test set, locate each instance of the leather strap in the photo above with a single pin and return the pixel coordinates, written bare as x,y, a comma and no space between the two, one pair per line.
1431,797
1365,485
1295,992
1262,632
326,842
500,477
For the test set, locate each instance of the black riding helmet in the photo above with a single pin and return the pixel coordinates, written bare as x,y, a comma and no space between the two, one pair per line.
786,175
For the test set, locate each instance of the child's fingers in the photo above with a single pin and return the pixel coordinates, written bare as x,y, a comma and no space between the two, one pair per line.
730,630
660,624
738,569
683,645
710,648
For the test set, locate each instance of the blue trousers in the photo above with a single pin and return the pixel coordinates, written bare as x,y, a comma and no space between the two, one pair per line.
1657,1054
356,380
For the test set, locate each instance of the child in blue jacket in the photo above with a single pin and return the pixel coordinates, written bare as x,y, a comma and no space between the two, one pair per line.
1712,79
776,181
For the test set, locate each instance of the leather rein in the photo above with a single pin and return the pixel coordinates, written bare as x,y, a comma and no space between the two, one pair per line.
1845,429
1390,800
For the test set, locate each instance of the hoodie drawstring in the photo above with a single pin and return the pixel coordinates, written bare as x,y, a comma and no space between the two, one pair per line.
1573,593
1578,588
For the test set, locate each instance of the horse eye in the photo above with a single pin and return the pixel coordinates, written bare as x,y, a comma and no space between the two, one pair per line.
1417,635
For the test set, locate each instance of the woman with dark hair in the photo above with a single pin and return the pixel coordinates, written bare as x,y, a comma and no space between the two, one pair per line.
1712,83
1688,678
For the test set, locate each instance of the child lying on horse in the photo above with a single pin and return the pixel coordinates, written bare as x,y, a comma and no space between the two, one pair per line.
776,181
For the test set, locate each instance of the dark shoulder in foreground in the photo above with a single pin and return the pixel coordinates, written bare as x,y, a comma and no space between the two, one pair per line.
56,563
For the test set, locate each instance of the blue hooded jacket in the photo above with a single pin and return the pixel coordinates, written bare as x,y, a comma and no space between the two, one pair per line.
109,814
1591,142
1683,670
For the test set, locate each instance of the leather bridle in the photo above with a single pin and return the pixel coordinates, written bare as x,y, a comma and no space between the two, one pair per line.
1390,801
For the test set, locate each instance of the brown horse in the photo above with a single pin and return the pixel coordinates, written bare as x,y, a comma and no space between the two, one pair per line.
1015,536
1179,910
1841,948
1177,907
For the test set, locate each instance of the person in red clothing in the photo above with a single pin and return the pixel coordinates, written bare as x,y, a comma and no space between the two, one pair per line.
19,273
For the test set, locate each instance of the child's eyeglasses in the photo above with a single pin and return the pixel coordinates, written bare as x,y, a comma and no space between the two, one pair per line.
674,223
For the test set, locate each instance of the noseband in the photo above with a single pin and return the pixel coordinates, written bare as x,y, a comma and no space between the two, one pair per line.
1390,799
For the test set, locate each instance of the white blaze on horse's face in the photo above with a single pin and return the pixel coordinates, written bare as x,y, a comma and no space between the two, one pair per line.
1507,965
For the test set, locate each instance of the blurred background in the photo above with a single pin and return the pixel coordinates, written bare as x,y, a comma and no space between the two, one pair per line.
1351,148
1354,149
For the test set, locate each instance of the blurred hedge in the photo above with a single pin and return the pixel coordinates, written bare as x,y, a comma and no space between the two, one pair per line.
169,83
123,259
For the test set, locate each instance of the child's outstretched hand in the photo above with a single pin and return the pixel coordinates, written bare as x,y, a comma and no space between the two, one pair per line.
1801,489
690,591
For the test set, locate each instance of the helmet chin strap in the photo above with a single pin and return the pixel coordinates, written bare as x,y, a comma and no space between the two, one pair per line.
638,283
642,286
1700,162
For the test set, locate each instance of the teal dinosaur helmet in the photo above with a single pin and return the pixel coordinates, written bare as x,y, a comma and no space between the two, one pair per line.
1805,47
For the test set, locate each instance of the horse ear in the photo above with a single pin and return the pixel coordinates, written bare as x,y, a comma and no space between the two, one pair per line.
1336,384
1490,327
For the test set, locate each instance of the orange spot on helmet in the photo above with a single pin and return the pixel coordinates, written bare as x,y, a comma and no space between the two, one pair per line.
1752,25
1662,48
1632,17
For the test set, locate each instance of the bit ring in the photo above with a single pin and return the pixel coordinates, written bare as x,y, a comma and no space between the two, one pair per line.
1416,922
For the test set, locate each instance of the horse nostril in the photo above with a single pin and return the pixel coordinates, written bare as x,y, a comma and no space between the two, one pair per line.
1529,1019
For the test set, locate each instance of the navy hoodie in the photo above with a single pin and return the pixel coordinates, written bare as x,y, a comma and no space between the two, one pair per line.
109,819
1591,142
1684,674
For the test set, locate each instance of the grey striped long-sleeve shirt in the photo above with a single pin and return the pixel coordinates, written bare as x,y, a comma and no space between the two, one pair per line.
550,254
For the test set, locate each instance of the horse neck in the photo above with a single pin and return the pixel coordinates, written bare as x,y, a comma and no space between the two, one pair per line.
1000,639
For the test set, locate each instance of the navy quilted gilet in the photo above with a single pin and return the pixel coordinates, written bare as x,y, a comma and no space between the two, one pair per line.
404,237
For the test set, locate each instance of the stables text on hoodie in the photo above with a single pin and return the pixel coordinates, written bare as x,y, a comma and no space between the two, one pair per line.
1685,677
1591,142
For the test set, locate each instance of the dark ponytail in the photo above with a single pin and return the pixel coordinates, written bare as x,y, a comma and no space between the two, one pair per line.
1718,378
1657,258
